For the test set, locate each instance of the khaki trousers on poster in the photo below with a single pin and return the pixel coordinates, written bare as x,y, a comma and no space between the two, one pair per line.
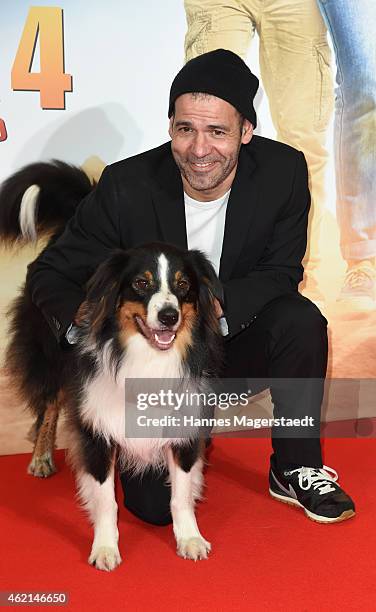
295,72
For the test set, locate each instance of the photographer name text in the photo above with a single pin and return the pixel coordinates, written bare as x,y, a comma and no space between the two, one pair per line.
233,421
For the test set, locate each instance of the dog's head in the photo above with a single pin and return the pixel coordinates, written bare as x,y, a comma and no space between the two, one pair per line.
158,291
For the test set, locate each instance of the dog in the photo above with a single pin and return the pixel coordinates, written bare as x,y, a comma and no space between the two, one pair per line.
149,313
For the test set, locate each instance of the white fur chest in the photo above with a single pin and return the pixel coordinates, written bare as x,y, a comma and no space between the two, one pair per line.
104,408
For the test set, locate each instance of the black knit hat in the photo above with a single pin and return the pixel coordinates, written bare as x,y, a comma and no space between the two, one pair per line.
222,74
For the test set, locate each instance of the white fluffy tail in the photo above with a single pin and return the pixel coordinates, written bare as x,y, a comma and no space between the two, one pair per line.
28,213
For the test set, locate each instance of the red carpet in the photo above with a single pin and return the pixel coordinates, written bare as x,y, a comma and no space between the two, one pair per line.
266,555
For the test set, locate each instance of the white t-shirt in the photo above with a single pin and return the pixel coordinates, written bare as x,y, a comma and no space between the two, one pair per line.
205,222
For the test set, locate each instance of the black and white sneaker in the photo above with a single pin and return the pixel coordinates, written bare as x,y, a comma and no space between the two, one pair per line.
313,489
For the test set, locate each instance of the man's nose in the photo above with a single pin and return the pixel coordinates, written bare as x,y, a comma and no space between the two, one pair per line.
200,145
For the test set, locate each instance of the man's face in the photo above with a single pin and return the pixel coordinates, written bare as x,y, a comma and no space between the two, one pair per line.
206,135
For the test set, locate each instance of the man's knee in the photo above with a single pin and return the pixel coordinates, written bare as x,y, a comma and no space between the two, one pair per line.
148,496
297,314
149,514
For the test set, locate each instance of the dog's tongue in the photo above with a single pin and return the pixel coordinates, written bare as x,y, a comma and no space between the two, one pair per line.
161,338
164,337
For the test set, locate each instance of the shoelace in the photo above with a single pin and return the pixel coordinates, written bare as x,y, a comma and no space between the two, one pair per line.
317,478
356,277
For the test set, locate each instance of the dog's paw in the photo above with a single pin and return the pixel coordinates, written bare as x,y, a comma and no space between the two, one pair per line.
105,558
42,466
193,548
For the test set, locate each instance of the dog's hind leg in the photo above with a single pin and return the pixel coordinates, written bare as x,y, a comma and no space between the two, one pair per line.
44,434
185,466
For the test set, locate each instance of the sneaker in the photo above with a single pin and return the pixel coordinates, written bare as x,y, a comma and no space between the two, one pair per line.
313,489
359,285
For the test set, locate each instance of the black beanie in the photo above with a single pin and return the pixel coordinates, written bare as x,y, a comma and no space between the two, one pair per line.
222,74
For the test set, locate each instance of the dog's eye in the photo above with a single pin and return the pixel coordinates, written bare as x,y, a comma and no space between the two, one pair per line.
141,284
183,285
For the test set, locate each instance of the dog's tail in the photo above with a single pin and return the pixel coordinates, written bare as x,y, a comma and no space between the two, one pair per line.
39,199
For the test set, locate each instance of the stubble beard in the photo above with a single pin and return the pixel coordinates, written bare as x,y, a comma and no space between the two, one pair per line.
210,180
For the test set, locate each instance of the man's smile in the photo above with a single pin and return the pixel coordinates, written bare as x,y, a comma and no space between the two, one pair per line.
202,166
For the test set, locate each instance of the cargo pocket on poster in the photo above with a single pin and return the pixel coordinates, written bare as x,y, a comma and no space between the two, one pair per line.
199,24
324,86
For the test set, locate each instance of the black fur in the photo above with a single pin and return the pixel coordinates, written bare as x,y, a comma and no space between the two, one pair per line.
96,453
187,455
38,364
64,186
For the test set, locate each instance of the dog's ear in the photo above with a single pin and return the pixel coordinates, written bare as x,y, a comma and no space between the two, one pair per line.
209,288
103,290
207,275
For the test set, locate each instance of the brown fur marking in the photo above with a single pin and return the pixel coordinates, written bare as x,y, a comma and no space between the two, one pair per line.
128,325
184,333
42,463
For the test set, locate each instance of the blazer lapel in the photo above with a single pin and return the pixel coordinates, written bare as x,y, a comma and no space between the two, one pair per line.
168,200
240,210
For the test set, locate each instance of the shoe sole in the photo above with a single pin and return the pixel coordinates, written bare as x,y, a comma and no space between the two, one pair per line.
314,517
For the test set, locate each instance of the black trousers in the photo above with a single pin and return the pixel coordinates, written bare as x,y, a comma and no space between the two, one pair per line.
287,344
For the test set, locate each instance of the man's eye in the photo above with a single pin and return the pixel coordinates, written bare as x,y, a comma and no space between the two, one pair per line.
185,129
218,133
140,283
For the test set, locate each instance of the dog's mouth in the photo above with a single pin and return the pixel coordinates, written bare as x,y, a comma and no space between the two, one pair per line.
161,339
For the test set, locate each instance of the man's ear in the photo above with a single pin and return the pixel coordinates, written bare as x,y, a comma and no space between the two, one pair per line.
247,132
171,126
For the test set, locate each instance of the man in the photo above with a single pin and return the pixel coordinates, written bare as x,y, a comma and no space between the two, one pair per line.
245,200
296,76
351,25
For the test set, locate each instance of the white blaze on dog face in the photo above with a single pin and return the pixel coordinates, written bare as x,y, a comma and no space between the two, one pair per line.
162,299
165,283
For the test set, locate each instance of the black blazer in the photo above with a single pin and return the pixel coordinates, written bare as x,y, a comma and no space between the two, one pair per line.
140,199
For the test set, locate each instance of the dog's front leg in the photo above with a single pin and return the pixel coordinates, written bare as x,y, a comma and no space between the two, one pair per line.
99,500
185,466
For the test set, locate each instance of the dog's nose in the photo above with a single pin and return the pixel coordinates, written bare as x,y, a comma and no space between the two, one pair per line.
168,316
